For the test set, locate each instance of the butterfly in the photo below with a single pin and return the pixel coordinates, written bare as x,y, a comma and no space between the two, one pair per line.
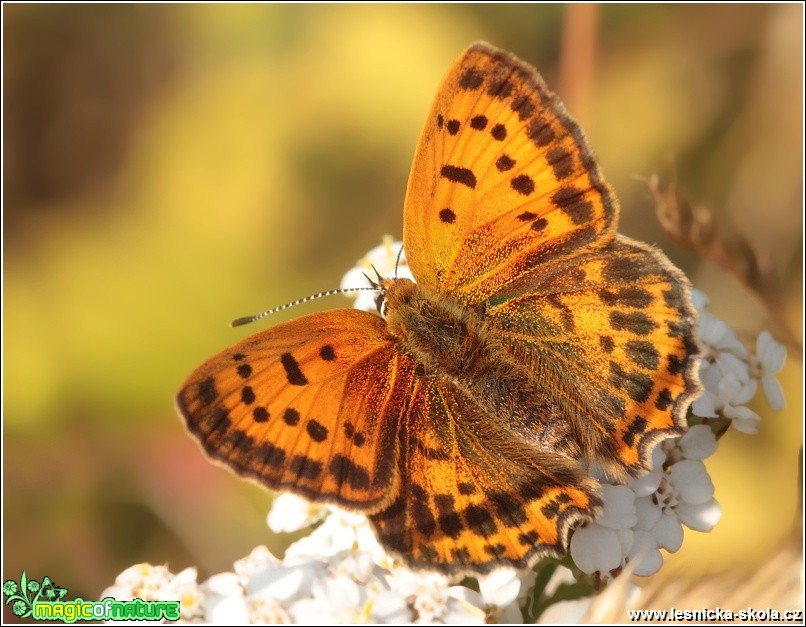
535,342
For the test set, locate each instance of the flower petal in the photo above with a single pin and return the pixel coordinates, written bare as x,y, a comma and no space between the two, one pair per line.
619,507
668,533
770,353
773,391
501,587
648,514
691,479
645,550
702,517
595,548
698,442
744,419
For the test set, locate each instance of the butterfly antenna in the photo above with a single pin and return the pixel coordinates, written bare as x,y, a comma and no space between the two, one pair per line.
239,322
397,261
377,274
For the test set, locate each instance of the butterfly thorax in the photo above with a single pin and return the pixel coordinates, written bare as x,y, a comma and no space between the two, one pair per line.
442,334
449,339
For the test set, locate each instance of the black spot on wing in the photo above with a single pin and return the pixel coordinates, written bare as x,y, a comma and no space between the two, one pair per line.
540,132
260,414
292,370
664,400
345,471
561,161
448,519
643,354
316,430
305,467
459,175
480,521
637,385
247,395
478,122
571,201
291,417
523,184
637,427
504,163
499,132
207,391
635,321
471,79
447,216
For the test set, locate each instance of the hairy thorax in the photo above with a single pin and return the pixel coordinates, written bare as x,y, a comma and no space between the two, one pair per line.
442,334
448,339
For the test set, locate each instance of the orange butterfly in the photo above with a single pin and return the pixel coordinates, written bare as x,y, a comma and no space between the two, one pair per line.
535,341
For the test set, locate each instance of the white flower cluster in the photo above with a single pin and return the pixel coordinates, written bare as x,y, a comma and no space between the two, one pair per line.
337,574
731,374
647,514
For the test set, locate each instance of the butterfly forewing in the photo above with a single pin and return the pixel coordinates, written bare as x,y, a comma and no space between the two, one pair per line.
502,180
311,405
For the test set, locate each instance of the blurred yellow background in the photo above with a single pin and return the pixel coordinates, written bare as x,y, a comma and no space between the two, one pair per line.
169,168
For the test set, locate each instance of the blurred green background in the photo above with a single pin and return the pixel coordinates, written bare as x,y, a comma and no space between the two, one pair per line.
168,168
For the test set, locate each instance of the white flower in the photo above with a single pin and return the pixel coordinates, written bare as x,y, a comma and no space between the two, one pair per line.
727,400
645,554
769,359
465,607
685,496
566,612
603,545
184,588
146,582
619,507
428,592
224,600
597,548
387,260
717,337
257,561
698,442
335,599
286,582
290,512
700,300
391,608
648,483
340,531
500,591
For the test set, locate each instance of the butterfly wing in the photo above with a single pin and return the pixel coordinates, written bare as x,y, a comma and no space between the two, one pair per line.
311,406
502,180
474,496
611,334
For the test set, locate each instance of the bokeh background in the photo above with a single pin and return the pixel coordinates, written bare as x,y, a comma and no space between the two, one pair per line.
168,168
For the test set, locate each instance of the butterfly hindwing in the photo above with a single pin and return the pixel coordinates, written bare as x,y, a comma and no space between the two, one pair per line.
502,180
473,495
611,334
311,406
